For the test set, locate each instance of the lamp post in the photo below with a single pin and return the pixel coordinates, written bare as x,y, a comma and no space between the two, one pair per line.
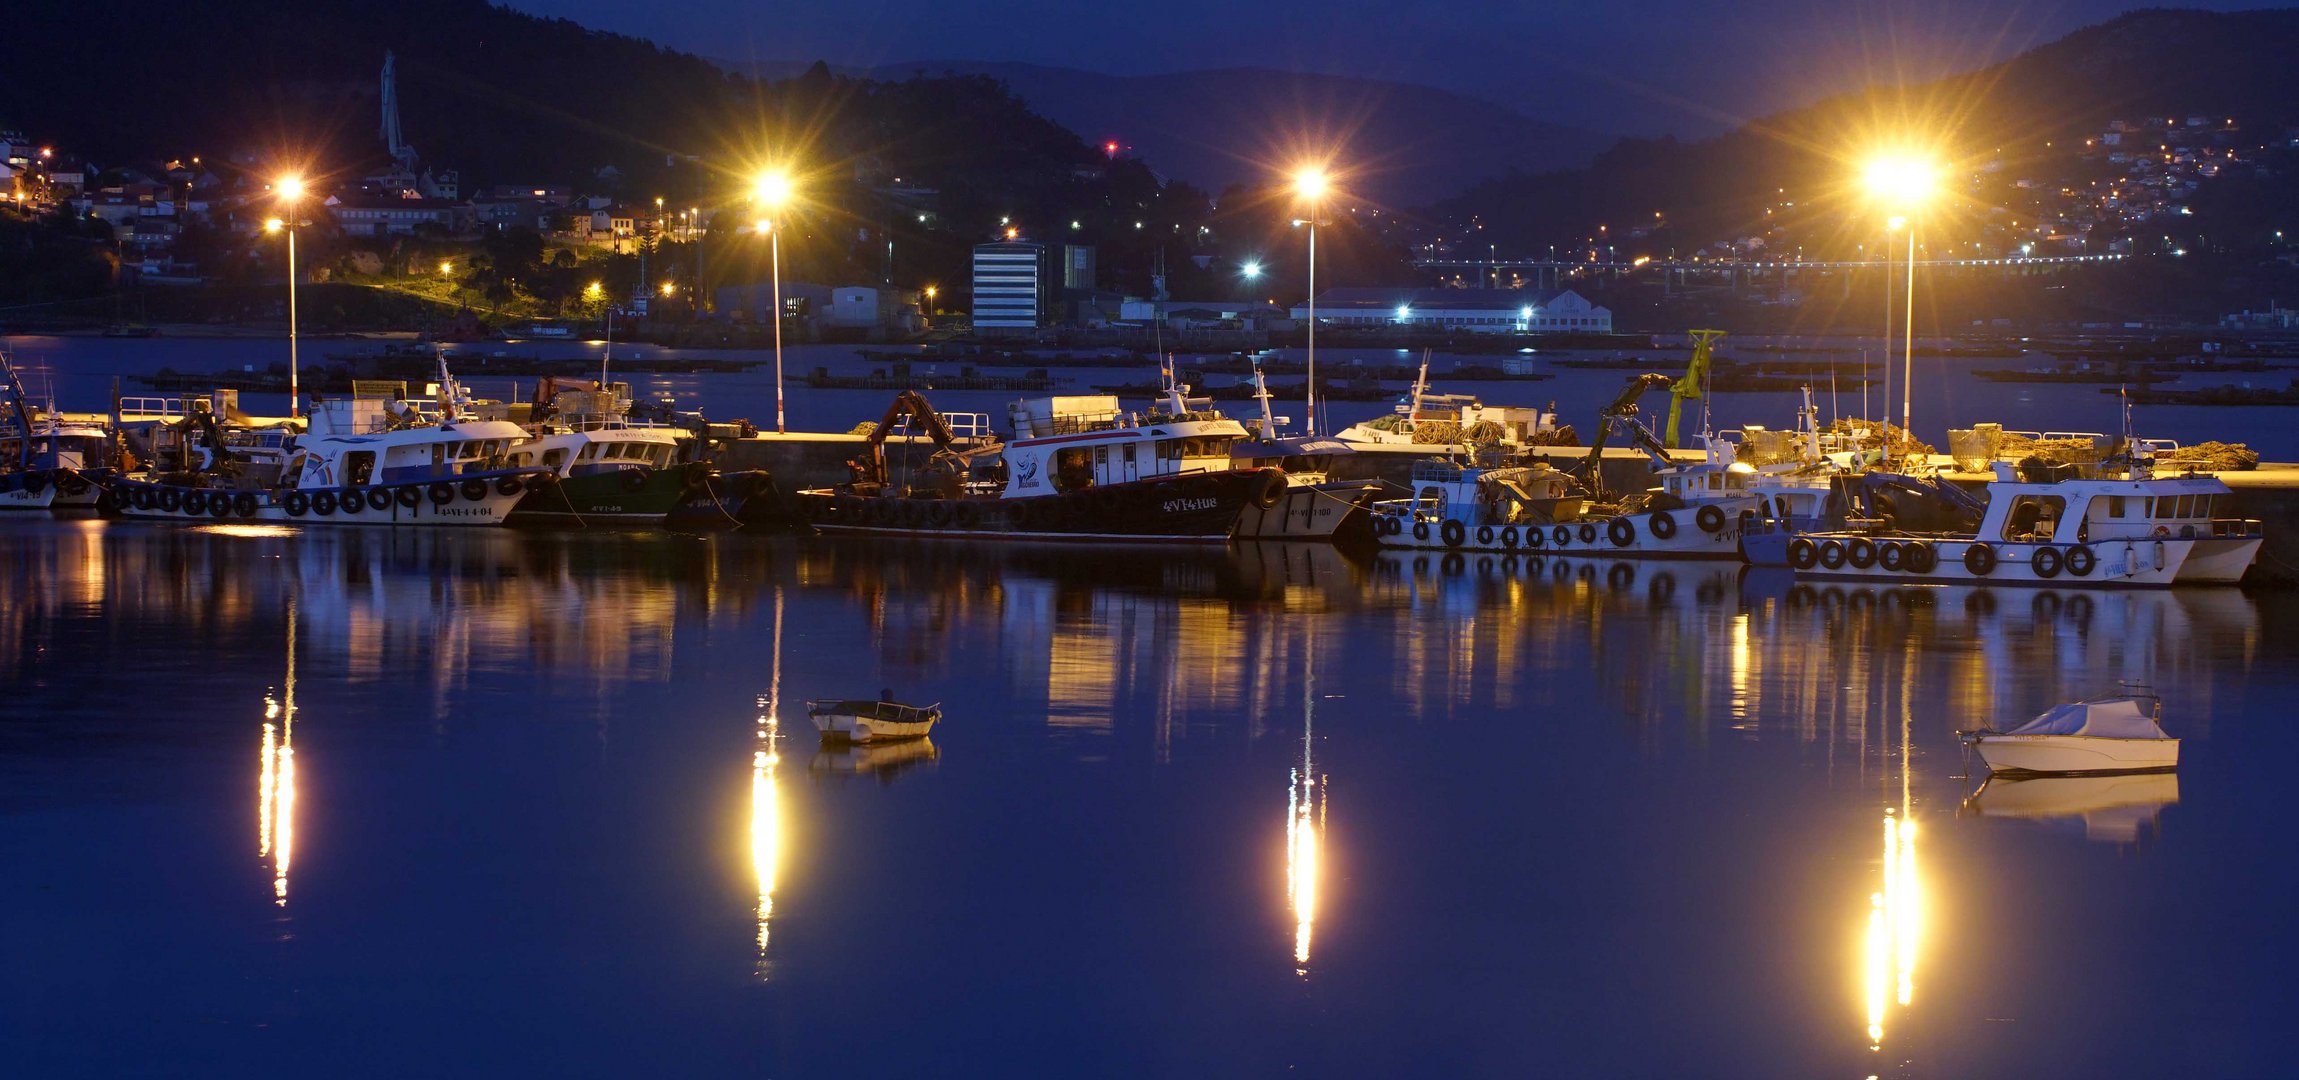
1309,184
290,191
1902,185
772,193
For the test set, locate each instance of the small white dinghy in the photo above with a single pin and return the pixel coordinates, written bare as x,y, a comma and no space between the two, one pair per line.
872,721
2104,735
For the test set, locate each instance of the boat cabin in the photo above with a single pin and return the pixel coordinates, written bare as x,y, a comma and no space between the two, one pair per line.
1070,443
2083,510
360,440
1448,491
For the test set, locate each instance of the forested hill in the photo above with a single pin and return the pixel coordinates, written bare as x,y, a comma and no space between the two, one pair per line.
2025,117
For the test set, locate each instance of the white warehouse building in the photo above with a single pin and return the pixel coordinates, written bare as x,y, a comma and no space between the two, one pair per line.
1476,311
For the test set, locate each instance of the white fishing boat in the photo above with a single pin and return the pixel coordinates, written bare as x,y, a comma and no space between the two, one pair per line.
872,721
1427,424
366,460
2104,735
1315,506
1696,511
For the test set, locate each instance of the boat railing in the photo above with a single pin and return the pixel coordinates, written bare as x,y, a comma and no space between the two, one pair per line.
962,425
151,408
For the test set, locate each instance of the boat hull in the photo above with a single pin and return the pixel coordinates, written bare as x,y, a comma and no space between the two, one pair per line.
606,497
1310,512
2136,563
27,491
1627,536
872,722
1190,507
2064,755
149,501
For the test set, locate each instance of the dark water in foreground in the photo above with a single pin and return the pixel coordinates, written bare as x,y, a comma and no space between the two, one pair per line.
547,808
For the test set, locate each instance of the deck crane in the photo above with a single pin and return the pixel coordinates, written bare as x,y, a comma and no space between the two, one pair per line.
1621,415
870,468
1694,385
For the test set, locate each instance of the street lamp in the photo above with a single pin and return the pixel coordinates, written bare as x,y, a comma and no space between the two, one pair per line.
1309,184
931,310
1901,184
1251,270
773,191
290,191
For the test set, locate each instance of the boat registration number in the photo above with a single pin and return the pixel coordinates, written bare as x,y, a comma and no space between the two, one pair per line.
1183,506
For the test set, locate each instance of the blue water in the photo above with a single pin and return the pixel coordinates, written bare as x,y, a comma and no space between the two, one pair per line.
1242,812
80,370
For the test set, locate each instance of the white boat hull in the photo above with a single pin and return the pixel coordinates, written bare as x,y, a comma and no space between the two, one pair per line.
1627,536
20,499
2145,563
2064,754
1307,511
352,506
855,729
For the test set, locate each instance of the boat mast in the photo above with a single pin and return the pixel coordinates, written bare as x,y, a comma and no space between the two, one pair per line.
1261,394
610,353
15,388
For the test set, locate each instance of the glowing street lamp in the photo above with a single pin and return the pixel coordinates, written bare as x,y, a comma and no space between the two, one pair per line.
290,191
1901,184
931,310
1309,185
1251,270
772,192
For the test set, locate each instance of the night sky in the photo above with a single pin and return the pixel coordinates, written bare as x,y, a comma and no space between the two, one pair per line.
1631,66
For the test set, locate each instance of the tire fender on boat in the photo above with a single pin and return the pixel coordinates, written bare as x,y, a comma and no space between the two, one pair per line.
1663,525
297,503
2046,562
1710,518
442,492
1803,554
2081,560
1832,554
1420,530
1980,559
1509,536
1485,535
1454,533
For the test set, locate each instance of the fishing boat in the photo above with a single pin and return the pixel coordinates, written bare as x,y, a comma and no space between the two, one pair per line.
2121,734
1697,511
1427,425
1316,506
1077,468
2113,524
880,721
373,458
610,468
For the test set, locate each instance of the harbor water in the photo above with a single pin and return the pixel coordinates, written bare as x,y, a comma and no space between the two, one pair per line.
501,802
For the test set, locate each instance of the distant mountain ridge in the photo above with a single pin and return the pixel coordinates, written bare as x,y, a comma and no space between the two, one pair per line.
1405,144
2150,63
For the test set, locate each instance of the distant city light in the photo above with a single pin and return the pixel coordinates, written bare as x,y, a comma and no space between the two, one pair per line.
1013,234
1404,311
1251,269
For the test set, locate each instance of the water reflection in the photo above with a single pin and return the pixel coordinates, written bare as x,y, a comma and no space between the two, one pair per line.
765,800
2109,809
885,761
275,784
1304,823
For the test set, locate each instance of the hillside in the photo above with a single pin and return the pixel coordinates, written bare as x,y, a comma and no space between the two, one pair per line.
2027,117
1409,145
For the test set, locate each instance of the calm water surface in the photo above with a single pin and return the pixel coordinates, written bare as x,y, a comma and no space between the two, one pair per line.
497,802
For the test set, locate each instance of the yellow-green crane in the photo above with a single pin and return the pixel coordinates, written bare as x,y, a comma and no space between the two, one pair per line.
1692,385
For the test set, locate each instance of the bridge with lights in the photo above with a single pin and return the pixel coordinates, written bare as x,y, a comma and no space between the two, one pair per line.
1547,272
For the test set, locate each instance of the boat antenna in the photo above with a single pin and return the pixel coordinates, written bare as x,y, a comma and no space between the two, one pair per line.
1420,387
610,353
1261,394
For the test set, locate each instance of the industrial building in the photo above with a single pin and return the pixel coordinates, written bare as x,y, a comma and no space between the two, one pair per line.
1010,287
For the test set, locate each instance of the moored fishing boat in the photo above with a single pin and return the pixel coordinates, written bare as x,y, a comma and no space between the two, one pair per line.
1316,506
2117,524
1429,425
366,459
609,467
1077,468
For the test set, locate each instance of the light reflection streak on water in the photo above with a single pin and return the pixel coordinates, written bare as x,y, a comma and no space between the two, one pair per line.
275,784
1895,928
765,804
1304,821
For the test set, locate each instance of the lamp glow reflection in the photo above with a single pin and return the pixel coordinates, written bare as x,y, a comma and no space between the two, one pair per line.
1304,828
765,801
1895,929
275,782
